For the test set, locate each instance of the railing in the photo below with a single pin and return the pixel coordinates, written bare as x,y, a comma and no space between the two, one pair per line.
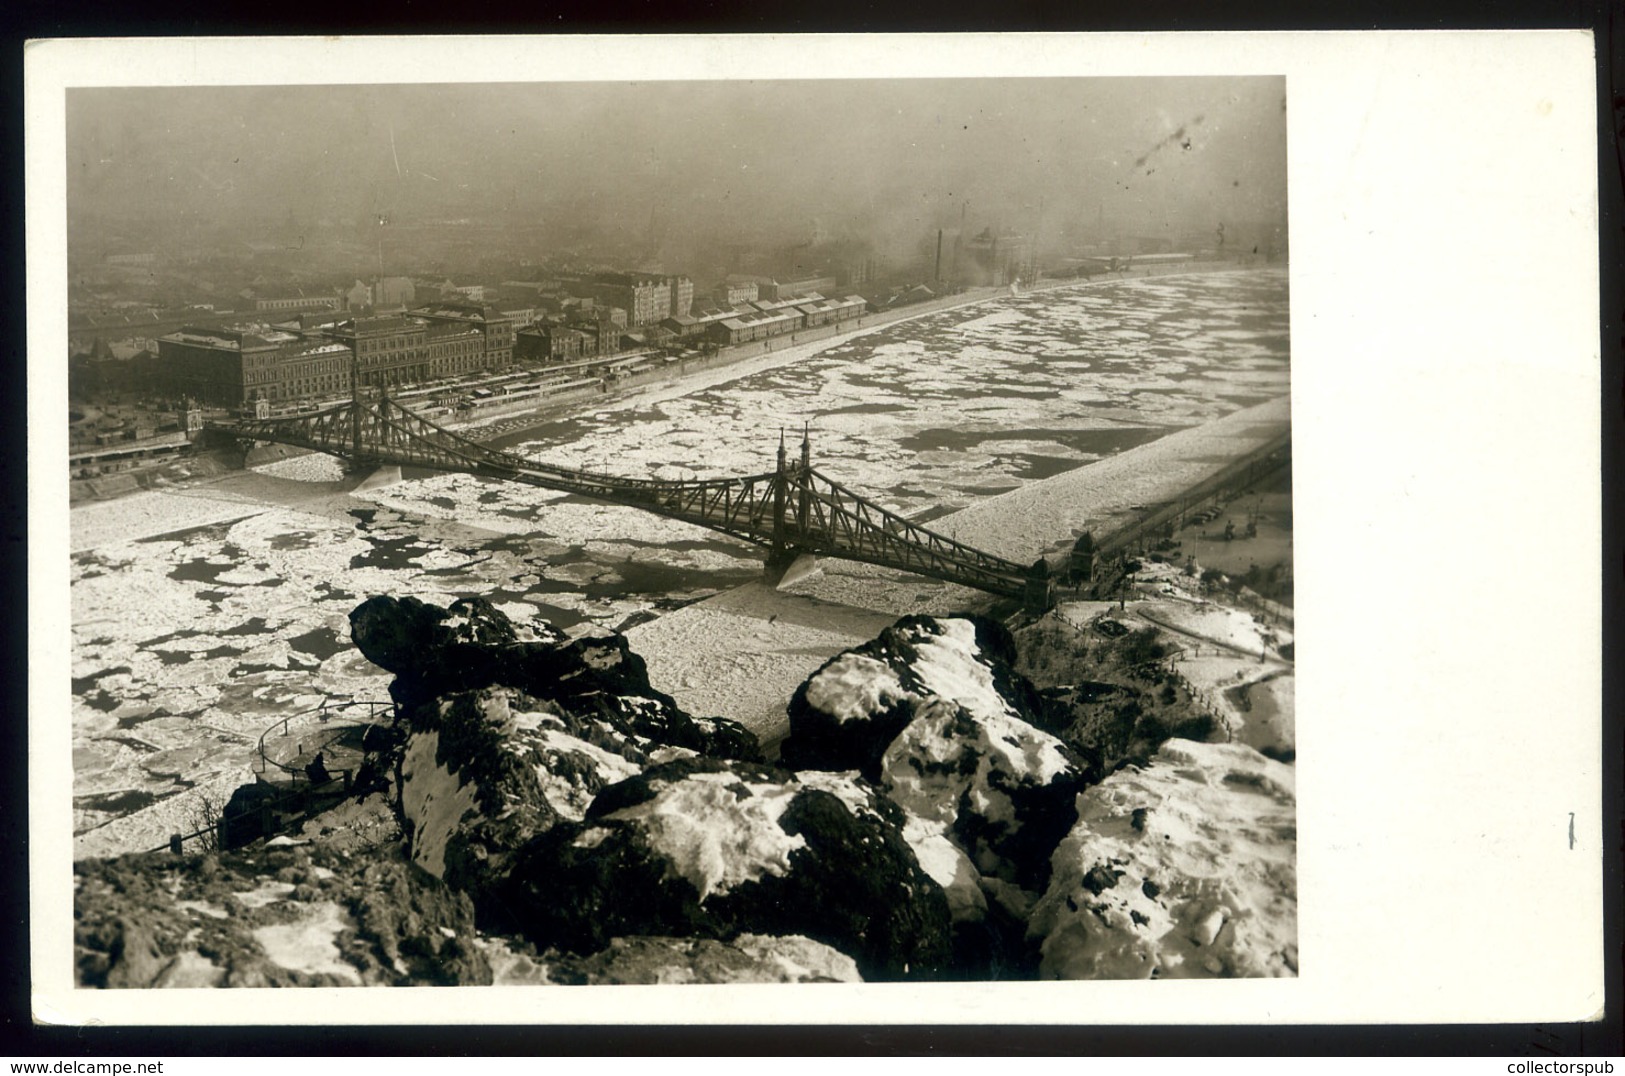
350,714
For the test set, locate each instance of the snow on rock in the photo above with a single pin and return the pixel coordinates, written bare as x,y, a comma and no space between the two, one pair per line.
847,713
434,801
468,792
572,770
711,848
933,712
749,958
853,687
716,832
307,944
1003,789
436,651
948,866
1186,868
312,917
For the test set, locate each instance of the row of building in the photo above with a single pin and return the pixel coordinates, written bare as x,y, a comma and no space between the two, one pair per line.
302,348
311,357
595,331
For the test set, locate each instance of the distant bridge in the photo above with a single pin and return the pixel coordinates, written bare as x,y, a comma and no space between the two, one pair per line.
792,510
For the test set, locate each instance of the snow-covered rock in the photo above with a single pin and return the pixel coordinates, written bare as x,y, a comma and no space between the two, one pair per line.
933,711
714,848
469,794
435,652
749,958
283,915
1185,868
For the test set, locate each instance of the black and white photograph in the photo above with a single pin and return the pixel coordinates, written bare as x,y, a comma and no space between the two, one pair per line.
661,532
678,529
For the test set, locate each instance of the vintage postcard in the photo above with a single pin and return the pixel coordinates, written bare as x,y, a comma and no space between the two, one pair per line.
814,529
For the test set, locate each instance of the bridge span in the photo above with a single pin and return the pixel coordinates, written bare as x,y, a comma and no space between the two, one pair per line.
792,510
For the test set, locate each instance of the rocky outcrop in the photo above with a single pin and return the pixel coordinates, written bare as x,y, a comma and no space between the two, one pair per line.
469,793
1185,868
279,915
539,814
749,958
715,848
484,772
575,804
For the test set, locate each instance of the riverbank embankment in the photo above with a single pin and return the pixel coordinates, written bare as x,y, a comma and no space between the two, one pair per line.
745,360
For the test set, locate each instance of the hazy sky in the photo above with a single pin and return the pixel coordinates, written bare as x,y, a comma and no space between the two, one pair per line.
897,156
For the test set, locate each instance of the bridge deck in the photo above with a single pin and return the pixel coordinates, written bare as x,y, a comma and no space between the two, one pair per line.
793,509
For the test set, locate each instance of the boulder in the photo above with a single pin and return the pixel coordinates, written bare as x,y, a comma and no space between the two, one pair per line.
487,771
472,645
715,848
1185,868
848,712
1003,790
933,711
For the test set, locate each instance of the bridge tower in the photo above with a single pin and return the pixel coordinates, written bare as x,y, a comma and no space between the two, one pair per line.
783,552
355,404
191,416
1038,596
803,482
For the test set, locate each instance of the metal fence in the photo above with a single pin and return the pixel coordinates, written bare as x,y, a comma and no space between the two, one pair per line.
340,717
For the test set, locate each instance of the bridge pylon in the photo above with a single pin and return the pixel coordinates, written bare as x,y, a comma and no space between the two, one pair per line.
785,546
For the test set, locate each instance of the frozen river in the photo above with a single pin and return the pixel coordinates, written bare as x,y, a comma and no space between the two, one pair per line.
190,637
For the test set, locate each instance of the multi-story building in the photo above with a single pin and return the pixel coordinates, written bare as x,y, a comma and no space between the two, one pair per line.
602,326
737,289
682,296
297,302
554,343
388,350
790,289
453,349
313,357
495,330
645,298
234,367
306,369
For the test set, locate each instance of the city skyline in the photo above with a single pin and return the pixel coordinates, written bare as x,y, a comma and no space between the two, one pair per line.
676,171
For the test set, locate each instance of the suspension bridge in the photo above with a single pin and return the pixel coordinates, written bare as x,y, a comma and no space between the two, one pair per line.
793,510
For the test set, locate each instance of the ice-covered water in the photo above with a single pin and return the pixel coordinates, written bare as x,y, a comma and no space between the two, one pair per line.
187,645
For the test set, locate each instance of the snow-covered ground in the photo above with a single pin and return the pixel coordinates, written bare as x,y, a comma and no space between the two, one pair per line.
204,613
1229,657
